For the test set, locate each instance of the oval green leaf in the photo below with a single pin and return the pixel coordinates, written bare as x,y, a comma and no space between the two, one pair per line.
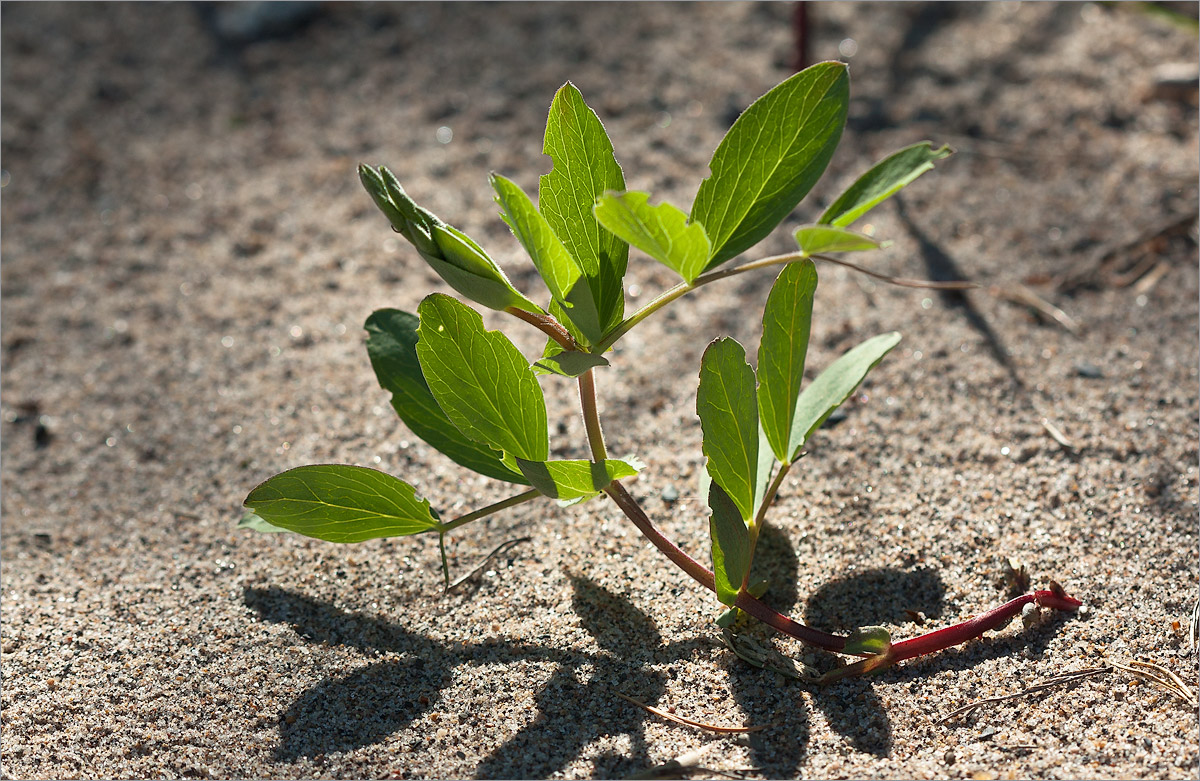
451,253
771,157
584,167
560,271
787,322
392,347
574,479
725,402
661,231
481,380
813,239
885,179
834,385
254,522
340,503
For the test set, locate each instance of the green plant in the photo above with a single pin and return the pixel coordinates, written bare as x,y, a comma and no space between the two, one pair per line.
472,395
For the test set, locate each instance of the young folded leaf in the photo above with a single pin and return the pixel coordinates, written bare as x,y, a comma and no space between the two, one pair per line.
834,385
662,231
771,157
725,402
868,640
451,253
885,179
584,167
392,347
787,321
340,503
730,537
571,480
568,363
481,380
557,267
813,239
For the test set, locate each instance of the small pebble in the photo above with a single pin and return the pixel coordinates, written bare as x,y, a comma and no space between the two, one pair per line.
1089,371
670,494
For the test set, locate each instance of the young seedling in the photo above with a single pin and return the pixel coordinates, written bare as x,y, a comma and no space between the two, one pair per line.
472,395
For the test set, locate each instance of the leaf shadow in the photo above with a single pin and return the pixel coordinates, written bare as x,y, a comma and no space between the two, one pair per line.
376,700
575,706
875,596
758,692
766,697
871,597
776,700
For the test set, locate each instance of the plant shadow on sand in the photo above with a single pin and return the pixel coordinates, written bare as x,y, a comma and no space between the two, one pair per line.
384,697
372,703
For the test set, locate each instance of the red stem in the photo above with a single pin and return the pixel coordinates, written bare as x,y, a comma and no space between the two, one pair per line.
928,643
703,575
972,628
547,325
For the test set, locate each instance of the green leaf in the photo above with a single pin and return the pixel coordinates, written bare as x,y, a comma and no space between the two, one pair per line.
481,380
834,385
725,402
451,253
771,157
662,231
823,238
787,321
730,544
573,480
340,503
584,167
885,179
561,272
392,346
255,522
569,363
872,640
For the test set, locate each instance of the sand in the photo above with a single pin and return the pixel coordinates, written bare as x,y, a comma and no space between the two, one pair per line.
188,259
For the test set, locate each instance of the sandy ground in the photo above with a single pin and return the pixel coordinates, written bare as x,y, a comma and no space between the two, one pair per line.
187,262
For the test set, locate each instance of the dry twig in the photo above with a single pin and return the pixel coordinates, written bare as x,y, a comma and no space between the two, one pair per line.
1050,683
689,762
1019,294
923,284
1170,681
1056,434
689,722
1145,670
498,550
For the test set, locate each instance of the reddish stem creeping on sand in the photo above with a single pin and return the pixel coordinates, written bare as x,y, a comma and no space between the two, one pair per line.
1056,598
